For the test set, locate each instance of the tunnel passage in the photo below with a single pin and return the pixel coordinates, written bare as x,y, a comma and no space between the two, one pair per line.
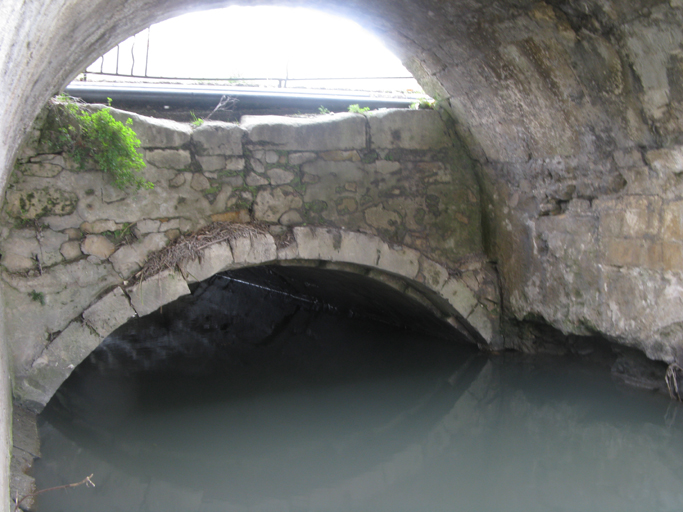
197,396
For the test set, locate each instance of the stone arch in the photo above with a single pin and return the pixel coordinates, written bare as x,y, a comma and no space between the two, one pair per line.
448,296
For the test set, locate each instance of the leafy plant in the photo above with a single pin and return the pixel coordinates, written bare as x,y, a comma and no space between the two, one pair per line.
98,137
196,121
355,109
423,103
323,110
37,296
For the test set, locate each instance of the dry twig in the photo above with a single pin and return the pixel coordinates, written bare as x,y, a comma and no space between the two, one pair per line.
190,247
671,379
87,481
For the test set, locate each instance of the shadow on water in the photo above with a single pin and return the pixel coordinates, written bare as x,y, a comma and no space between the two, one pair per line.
315,390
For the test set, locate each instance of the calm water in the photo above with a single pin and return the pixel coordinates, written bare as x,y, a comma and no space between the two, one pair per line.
310,410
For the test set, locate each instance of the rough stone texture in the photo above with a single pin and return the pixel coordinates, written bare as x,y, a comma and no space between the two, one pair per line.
156,133
110,312
38,306
156,291
338,131
408,130
216,258
55,364
129,259
215,138
97,246
168,158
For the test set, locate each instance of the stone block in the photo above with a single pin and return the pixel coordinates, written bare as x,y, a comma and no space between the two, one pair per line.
156,132
148,226
271,204
633,253
110,312
212,163
432,274
129,259
301,158
340,156
217,138
271,157
672,256
318,243
254,180
97,245
320,133
672,221
379,218
36,203
177,181
153,293
359,248
458,294
631,217
169,158
234,164
232,216
199,182
407,129
484,322
280,176
291,218
59,359
253,248
399,260
666,161
214,259
98,226
71,250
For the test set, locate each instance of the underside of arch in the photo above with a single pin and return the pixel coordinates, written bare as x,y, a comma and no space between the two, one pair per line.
447,296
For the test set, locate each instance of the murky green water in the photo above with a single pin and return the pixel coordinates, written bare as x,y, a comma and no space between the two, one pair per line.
317,411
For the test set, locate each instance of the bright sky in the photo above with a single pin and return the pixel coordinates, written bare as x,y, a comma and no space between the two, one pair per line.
257,42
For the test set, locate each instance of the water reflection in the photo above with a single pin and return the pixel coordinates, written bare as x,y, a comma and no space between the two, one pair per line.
311,410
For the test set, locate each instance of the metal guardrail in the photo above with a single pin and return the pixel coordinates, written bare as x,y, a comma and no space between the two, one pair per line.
199,97
282,81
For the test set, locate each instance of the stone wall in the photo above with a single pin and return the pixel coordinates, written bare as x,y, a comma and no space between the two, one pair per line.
388,190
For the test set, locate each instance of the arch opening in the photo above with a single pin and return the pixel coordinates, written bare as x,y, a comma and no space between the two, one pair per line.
277,381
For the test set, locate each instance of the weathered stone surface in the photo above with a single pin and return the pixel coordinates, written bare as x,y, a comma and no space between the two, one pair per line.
232,216
291,218
71,250
395,128
271,204
301,158
254,180
199,182
55,364
212,163
156,291
177,181
399,260
97,246
154,132
280,176
214,259
148,226
128,259
320,133
253,248
37,203
169,158
109,313
99,226
216,138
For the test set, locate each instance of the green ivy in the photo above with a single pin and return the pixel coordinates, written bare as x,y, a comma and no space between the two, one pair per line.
98,137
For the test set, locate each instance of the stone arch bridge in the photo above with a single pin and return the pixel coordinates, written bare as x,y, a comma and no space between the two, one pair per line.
389,194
